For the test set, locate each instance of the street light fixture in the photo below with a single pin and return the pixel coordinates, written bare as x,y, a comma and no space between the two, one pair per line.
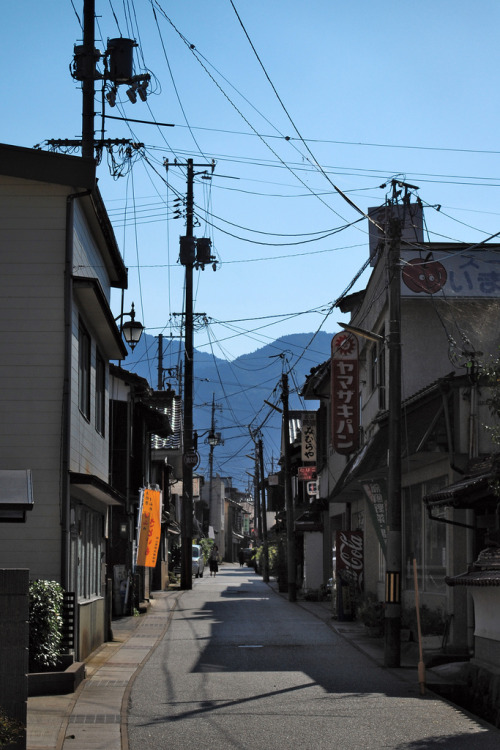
131,329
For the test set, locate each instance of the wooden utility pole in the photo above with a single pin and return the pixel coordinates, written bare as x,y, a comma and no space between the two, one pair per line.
190,257
290,520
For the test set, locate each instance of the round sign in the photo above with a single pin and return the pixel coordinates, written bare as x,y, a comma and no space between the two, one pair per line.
191,459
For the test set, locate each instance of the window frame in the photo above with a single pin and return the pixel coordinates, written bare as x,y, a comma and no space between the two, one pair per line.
84,370
100,394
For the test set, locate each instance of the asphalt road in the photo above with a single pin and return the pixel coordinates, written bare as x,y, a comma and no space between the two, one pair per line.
241,667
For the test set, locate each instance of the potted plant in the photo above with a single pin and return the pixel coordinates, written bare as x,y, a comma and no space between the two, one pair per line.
432,625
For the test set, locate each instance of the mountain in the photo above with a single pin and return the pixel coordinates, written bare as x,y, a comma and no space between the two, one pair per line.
240,388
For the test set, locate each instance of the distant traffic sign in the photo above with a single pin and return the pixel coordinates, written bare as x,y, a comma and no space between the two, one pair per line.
191,459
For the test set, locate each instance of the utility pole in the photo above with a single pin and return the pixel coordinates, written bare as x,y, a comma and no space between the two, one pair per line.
187,468
290,520
88,88
193,253
160,362
392,645
265,556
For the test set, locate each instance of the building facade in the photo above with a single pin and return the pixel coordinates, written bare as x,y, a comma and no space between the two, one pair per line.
59,262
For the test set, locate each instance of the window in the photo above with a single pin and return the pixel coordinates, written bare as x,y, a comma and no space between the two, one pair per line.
90,543
424,539
100,393
84,371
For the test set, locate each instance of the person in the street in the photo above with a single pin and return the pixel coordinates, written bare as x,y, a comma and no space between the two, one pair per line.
213,560
241,557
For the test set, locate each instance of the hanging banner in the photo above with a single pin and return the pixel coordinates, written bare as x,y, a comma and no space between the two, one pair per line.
376,493
149,528
345,393
308,446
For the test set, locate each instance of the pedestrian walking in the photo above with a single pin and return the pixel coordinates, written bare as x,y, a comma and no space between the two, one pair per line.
241,557
213,560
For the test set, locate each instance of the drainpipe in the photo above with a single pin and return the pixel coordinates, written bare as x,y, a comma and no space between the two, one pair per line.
66,404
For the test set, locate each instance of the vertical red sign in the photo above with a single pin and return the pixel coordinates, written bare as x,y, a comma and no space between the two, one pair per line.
345,393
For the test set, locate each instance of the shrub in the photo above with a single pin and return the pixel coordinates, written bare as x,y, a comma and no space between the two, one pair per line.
45,623
206,547
10,729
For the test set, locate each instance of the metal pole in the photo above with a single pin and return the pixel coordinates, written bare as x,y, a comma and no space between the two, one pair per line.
290,520
392,645
187,469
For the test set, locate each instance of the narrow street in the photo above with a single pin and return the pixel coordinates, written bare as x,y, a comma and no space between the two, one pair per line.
241,667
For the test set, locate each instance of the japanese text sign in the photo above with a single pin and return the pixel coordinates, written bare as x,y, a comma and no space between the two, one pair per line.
345,393
308,446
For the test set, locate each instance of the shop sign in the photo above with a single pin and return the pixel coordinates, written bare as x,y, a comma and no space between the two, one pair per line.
149,528
345,393
306,473
308,446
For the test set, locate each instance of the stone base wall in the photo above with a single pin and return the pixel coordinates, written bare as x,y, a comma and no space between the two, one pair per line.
483,692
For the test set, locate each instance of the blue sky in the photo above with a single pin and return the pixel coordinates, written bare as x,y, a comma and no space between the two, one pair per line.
289,99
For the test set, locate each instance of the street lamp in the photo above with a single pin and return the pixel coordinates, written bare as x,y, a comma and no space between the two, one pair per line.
131,329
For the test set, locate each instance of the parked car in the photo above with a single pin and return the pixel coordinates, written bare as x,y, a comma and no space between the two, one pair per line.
198,561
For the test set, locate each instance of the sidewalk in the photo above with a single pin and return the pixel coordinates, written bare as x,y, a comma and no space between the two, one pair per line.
94,716
437,678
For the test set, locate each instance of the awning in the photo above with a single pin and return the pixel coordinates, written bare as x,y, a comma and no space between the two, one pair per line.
16,494
369,463
91,298
84,486
476,486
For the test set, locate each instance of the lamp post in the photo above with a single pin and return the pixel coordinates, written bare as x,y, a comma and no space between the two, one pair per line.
131,330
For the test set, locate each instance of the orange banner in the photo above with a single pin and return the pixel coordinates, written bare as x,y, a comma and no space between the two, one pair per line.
150,529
